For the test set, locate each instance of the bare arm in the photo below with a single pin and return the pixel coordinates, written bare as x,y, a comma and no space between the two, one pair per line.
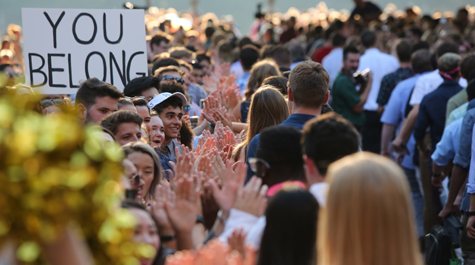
459,176
386,135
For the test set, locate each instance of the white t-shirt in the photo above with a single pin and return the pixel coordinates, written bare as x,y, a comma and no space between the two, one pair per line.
428,83
380,65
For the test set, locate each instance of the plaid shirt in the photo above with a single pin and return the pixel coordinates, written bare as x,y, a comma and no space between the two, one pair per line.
389,82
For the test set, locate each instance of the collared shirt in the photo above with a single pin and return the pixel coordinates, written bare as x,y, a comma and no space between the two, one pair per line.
395,111
390,81
471,173
448,146
165,161
462,158
243,82
170,150
236,70
296,120
432,111
197,93
292,66
456,101
333,63
344,98
427,84
456,114
380,65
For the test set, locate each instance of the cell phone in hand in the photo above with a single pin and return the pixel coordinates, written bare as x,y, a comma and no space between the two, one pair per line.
194,121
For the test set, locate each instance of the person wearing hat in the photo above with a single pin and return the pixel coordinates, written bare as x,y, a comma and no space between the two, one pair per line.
169,108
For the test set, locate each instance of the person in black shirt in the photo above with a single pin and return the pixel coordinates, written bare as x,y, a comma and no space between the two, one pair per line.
367,11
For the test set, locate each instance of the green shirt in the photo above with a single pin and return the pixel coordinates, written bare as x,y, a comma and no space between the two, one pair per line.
344,98
456,101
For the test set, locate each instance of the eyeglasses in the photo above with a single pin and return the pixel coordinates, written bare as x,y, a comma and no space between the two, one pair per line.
169,77
58,101
186,108
254,161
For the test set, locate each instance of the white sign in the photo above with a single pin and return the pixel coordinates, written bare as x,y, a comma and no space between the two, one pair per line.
64,47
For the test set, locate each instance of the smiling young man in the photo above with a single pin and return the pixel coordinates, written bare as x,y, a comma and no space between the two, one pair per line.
169,108
96,99
125,125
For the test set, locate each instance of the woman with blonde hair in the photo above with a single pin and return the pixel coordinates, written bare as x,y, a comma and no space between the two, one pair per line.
368,218
268,108
259,71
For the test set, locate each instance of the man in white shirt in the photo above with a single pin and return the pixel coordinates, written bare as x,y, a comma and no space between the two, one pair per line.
334,60
380,65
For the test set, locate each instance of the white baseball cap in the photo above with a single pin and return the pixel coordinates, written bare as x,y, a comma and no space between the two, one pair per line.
164,96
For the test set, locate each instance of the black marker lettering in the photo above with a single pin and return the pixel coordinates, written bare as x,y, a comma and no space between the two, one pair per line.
113,60
54,25
37,70
51,69
104,67
105,30
130,62
93,34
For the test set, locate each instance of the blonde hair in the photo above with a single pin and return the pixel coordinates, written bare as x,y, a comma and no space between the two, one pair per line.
260,71
368,218
268,108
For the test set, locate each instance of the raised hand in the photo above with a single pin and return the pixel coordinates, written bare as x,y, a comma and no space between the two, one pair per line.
226,196
236,241
183,210
252,197
163,194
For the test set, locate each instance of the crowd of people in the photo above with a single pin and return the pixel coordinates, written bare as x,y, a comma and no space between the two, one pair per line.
320,138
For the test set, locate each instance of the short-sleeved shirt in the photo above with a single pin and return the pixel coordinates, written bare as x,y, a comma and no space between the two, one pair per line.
456,114
427,84
395,111
448,146
390,81
462,158
344,98
456,101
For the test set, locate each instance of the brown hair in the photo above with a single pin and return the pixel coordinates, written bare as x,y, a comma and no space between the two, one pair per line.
115,119
170,68
140,147
268,108
180,53
260,71
308,83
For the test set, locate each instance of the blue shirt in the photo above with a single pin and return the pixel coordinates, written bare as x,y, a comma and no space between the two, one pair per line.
165,161
448,146
197,93
456,114
395,111
462,158
243,82
432,111
295,120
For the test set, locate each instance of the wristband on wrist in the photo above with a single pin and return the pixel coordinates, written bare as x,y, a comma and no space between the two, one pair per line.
470,213
211,125
167,238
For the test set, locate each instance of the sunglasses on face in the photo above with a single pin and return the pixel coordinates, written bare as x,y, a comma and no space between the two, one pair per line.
186,108
169,77
58,101
255,162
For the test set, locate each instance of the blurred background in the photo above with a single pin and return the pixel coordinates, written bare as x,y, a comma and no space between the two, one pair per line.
242,11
